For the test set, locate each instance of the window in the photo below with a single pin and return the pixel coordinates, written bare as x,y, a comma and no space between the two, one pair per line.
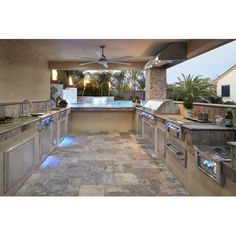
225,91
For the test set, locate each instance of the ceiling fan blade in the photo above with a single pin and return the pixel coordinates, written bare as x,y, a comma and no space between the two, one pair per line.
118,58
99,54
84,58
87,63
119,62
105,65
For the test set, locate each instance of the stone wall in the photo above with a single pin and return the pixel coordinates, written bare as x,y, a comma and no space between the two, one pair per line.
156,84
211,109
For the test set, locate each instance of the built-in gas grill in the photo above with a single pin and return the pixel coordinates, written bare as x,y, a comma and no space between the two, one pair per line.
151,109
156,107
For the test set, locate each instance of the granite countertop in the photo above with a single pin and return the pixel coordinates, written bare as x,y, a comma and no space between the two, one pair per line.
194,125
103,108
18,122
176,118
21,121
232,143
139,108
201,126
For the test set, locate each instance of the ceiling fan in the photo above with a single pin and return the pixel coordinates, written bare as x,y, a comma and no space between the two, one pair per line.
103,60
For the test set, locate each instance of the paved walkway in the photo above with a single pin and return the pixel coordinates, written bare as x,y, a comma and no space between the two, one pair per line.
102,164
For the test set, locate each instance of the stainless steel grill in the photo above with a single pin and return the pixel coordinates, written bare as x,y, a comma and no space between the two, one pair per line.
149,118
156,107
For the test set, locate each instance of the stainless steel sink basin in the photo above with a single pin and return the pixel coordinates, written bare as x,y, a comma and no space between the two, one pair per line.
36,114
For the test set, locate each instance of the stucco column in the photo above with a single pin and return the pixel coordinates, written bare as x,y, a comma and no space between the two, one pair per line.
155,84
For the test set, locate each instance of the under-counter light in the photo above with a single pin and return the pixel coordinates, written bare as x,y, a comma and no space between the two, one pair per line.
54,75
67,141
51,161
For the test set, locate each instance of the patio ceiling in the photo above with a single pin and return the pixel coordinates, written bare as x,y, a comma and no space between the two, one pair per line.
65,53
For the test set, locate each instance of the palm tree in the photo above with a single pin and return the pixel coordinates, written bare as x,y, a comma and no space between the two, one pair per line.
133,76
119,82
141,83
192,88
103,79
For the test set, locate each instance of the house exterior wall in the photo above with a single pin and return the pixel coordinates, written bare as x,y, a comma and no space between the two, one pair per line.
228,79
22,73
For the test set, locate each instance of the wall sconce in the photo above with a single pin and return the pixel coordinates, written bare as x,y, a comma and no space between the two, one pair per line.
71,81
54,75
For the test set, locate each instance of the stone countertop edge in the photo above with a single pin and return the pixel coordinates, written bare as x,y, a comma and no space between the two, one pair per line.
28,120
207,127
195,125
232,143
103,108
19,123
139,108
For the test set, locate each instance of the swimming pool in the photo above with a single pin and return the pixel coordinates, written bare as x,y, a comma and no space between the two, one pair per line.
104,104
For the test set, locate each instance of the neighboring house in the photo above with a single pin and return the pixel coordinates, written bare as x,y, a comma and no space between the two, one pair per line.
226,85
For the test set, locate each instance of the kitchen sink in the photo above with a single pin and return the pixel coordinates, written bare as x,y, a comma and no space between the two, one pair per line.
36,114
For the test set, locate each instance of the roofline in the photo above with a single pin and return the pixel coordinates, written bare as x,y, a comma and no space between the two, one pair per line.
225,73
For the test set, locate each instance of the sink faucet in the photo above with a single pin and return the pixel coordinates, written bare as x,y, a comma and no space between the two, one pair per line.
24,108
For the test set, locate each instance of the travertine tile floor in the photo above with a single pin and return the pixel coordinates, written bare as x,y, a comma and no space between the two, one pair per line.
102,164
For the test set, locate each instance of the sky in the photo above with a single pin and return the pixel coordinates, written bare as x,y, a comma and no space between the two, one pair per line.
210,64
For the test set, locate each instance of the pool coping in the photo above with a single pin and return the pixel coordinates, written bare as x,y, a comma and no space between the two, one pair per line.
103,108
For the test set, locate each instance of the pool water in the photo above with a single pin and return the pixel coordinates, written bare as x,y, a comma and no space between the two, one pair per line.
101,104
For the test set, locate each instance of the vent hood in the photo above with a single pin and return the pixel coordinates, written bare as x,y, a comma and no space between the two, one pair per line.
171,55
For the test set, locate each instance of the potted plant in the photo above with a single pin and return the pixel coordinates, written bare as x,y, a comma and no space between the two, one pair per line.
191,88
188,105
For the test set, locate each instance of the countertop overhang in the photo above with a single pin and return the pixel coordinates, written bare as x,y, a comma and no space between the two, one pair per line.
74,108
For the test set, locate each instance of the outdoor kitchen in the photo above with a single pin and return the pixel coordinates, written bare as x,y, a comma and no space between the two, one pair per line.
198,153
43,135
117,118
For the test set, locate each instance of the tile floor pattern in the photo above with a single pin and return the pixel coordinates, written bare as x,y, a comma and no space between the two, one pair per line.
102,164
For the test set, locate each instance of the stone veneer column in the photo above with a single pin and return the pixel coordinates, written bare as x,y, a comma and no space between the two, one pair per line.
155,84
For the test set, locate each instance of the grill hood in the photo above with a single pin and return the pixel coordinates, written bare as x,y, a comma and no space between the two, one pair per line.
171,55
161,107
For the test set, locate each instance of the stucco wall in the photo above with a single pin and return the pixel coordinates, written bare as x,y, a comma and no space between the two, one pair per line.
95,121
228,79
22,73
